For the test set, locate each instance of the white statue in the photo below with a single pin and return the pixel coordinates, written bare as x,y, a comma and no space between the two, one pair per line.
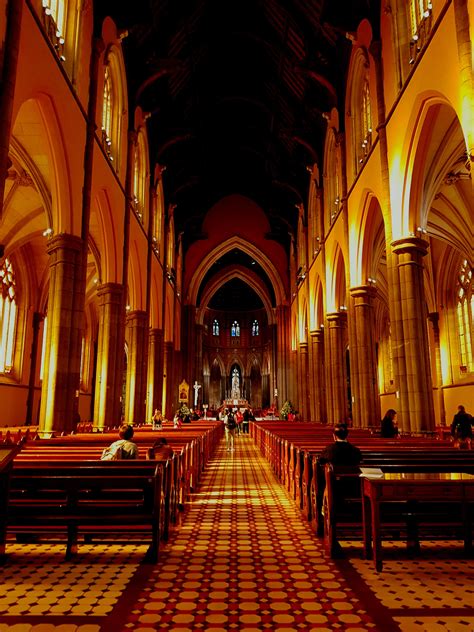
235,393
196,388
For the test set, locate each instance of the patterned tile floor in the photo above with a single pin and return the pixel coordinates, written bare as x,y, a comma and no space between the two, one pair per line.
243,559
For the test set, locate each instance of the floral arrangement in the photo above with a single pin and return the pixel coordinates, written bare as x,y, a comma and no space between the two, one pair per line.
287,409
183,410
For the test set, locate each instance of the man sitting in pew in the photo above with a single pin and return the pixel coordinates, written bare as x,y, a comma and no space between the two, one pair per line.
341,452
123,448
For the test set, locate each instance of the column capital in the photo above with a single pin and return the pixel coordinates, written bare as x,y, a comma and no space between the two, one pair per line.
410,245
336,318
111,289
64,241
317,334
303,346
138,317
367,292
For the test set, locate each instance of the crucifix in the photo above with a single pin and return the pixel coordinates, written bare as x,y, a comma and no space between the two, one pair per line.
196,388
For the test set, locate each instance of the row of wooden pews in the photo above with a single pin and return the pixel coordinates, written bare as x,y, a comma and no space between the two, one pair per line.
60,486
293,450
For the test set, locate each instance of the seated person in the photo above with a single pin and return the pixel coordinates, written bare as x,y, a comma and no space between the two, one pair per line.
123,448
341,452
157,419
461,428
160,451
388,425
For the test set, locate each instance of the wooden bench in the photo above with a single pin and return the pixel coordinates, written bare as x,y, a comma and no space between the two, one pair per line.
343,508
75,498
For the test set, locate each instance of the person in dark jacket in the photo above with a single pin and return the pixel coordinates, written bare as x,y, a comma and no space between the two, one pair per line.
461,428
341,452
388,425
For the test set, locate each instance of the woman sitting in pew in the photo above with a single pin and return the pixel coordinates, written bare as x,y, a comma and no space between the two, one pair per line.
123,448
388,425
160,451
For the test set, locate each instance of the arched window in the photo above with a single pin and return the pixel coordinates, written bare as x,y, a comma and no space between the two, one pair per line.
255,328
8,314
420,25
332,180
465,316
360,108
139,178
235,329
107,112
364,124
54,19
56,9
215,327
114,105
43,347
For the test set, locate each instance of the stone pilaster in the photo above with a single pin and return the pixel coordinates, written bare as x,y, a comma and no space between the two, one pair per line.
318,381
364,370
283,352
155,372
60,388
434,320
10,40
137,338
303,405
420,414
198,371
110,353
336,367
168,401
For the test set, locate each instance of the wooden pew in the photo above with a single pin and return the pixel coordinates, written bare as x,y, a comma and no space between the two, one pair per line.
343,510
75,498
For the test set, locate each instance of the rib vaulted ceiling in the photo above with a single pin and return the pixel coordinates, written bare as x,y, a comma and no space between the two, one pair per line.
237,90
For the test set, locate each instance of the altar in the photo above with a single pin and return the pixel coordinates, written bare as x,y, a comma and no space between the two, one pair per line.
236,399
236,402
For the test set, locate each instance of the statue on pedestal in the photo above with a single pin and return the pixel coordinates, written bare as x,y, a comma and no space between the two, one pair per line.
235,392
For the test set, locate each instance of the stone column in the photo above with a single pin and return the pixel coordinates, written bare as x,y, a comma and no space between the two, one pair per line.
189,343
336,367
110,350
364,371
304,382
274,399
155,372
198,372
434,320
37,319
8,66
167,401
283,353
137,337
60,388
420,414
318,381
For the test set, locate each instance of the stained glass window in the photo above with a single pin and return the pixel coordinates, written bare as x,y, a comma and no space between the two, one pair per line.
8,314
235,329
465,315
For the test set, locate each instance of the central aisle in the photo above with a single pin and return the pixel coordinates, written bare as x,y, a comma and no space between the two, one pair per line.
244,560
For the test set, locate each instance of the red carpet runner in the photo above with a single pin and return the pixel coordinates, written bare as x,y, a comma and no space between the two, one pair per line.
245,560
